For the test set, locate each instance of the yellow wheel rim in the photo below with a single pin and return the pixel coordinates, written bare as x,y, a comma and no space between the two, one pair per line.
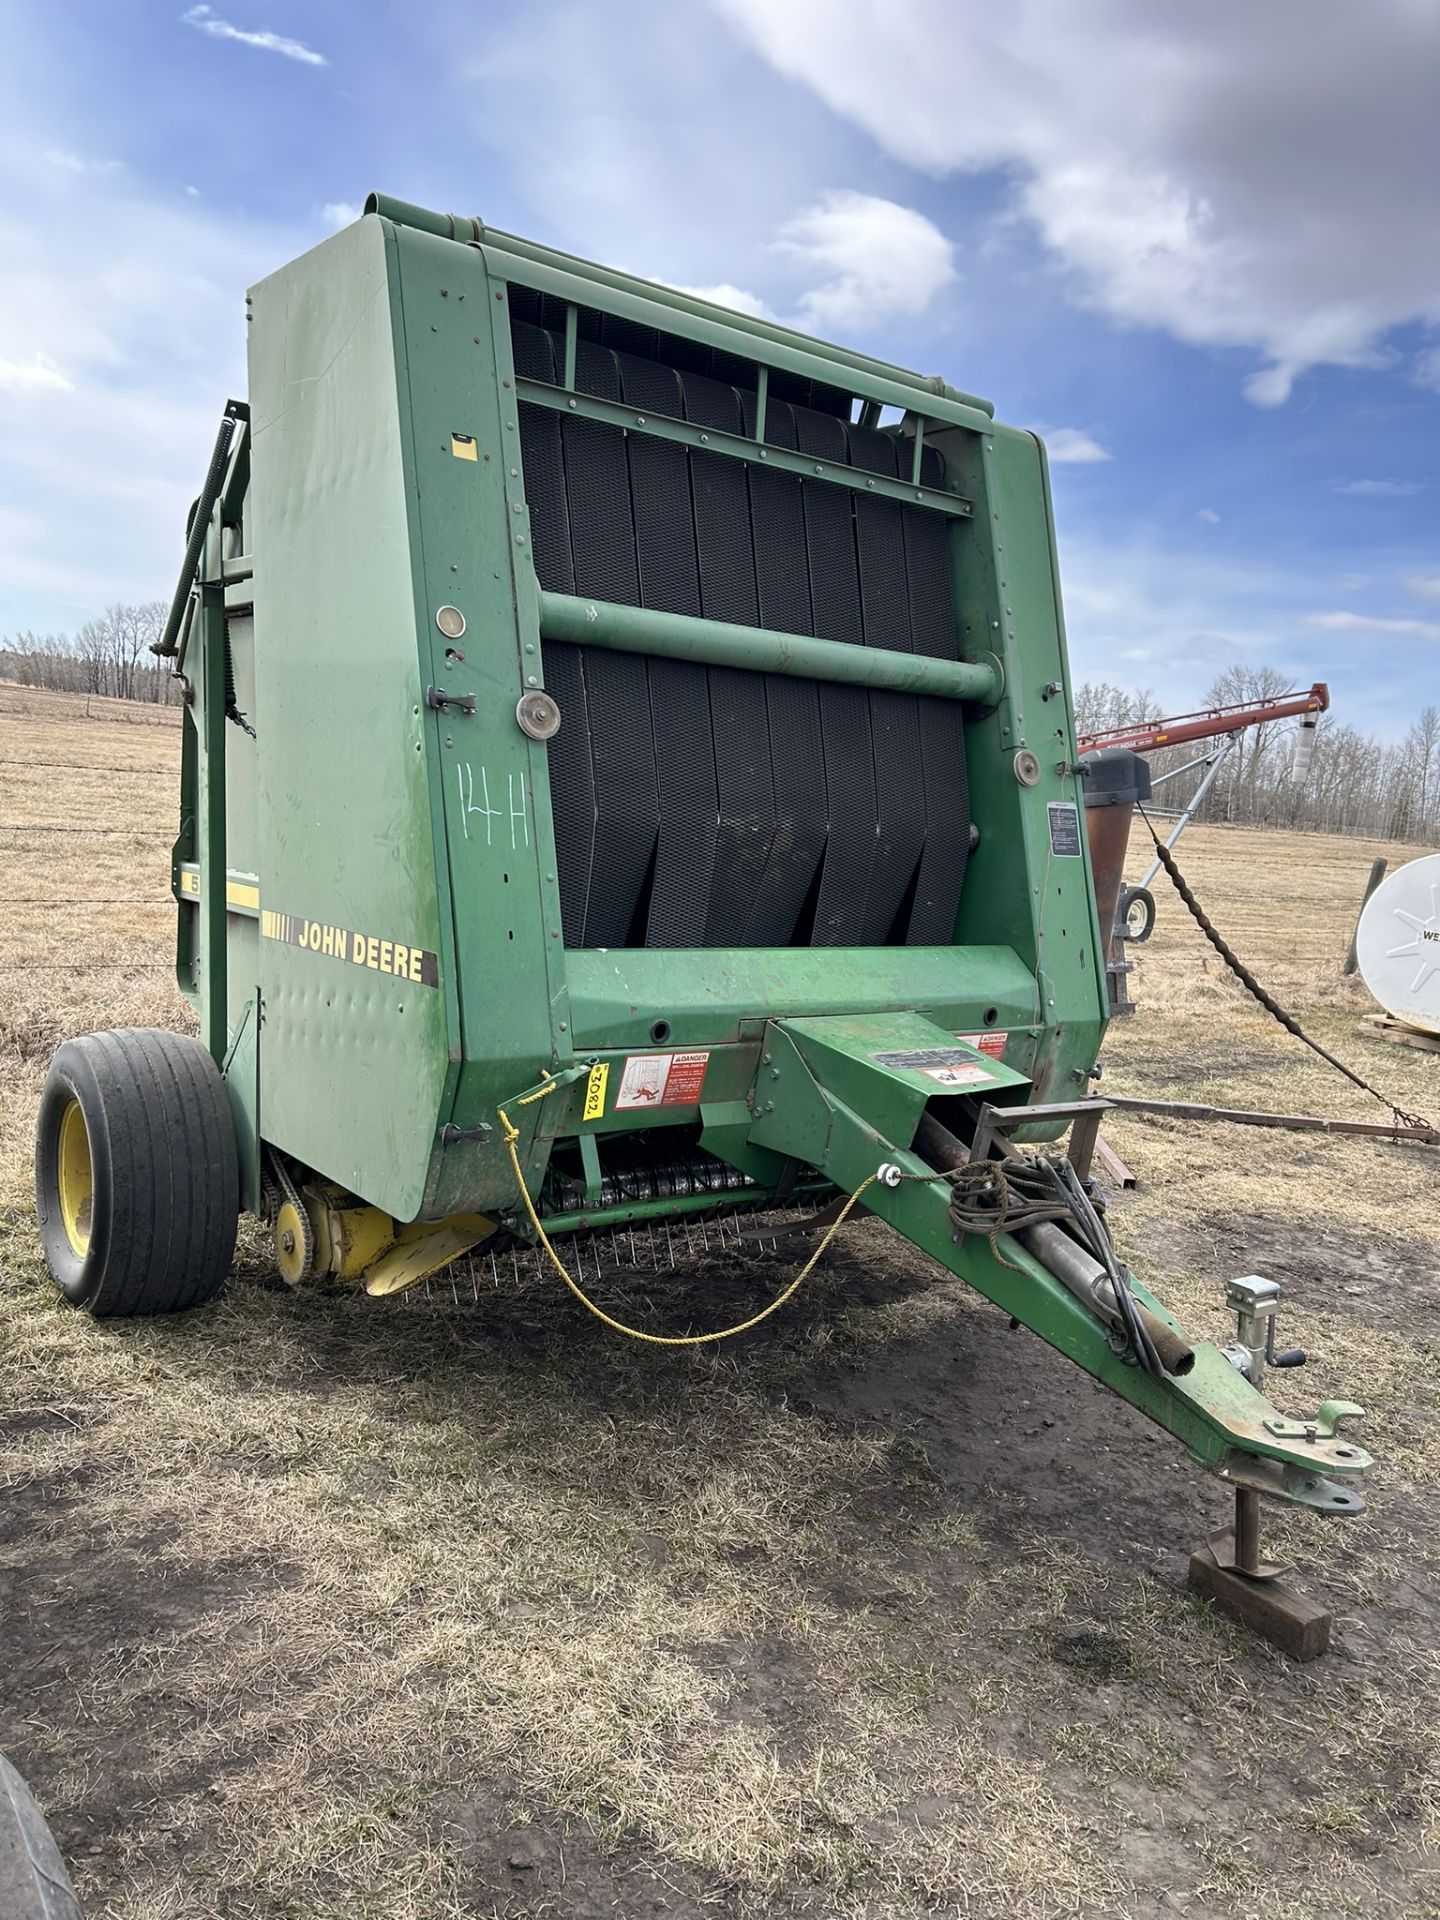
75,1177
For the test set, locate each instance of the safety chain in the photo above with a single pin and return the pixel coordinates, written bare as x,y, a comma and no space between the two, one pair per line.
1252,986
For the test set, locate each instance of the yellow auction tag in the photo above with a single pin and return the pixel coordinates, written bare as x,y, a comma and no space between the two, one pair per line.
595,1091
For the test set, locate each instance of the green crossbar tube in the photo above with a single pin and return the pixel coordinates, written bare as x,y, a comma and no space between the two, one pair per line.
678,636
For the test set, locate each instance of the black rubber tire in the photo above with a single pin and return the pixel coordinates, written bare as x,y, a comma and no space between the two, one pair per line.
164,1168
1131,897
33,1882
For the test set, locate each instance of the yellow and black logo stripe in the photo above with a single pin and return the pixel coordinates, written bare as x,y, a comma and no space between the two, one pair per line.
395,957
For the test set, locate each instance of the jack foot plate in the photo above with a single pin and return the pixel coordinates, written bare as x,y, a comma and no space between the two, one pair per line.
1266,1606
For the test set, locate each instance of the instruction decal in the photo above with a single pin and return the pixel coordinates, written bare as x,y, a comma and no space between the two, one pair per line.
950,1066
595,1091
395,957
1064,828
660,1080
991,1042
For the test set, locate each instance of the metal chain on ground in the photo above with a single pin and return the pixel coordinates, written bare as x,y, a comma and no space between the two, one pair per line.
1252,986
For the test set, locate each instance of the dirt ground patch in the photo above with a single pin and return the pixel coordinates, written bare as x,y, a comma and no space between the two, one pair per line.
319,1606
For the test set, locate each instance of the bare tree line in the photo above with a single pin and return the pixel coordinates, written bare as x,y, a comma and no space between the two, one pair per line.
1355,783
110,655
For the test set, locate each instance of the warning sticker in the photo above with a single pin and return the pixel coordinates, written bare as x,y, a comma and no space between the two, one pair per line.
951,1066
1064,827
992,1041
972,1074
595,1091
662,1080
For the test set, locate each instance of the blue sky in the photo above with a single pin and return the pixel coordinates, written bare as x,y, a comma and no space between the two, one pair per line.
1198,248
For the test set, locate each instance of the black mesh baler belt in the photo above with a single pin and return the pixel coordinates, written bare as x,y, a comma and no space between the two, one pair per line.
622,750
737,699
679,711
894,717
841,906
777,523
691,804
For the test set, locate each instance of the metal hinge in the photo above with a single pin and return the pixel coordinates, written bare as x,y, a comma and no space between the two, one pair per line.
437,700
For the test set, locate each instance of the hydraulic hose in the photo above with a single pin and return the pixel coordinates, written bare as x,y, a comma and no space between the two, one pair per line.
1078,1271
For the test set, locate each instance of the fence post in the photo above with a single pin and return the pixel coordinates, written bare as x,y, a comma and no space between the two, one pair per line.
1377,874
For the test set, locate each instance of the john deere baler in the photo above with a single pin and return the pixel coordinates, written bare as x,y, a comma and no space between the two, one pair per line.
628,746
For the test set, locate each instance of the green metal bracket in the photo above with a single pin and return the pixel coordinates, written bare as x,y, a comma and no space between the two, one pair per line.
572,326
590,1164
209,656
822,1096
685,433
1325,1425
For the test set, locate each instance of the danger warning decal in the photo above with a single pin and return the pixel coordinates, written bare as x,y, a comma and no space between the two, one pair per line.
950,1066
396,957
991,1042
662,1080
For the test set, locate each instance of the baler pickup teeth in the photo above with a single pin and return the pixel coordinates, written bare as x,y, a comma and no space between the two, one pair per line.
659,1246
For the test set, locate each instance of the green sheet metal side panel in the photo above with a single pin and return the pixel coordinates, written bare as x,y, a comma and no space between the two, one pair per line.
355,1045
708,996
1007,596
491,794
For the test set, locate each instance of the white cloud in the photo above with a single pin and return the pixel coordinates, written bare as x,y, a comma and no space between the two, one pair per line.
738,299
867,260
37,374
1374,623
67,162
870,260
1256,178
1209,516
1378,489
1424,586
206,20
340,213
1069,447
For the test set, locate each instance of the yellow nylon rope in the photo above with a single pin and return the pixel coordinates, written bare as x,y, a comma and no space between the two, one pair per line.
512,1134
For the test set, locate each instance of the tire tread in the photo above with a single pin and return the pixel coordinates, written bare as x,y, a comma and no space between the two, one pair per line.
159,1117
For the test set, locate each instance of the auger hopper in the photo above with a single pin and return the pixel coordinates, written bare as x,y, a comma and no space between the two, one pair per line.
653,725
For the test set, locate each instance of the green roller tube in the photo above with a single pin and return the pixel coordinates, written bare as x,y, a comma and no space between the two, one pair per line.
675,636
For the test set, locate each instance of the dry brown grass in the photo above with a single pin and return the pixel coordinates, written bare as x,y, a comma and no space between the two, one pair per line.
320,1607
